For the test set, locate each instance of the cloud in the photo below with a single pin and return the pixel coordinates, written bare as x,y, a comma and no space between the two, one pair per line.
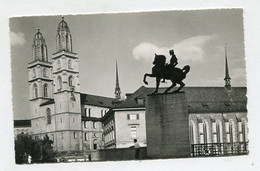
188,49
17,39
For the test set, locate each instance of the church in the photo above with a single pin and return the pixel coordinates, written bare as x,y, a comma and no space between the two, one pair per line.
78,122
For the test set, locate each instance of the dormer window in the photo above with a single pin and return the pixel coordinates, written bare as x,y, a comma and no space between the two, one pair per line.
140,101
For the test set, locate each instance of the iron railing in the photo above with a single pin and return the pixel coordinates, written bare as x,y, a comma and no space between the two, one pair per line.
219,149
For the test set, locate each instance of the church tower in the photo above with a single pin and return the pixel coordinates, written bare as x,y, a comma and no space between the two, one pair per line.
227,77
40,81
117,89
66,91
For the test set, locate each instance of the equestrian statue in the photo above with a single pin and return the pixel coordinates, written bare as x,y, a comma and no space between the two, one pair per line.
161,70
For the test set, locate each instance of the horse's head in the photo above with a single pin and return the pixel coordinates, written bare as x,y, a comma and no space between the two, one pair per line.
159,60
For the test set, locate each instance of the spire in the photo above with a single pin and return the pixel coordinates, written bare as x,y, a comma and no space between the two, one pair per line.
63,38
227,77
117,89
39,47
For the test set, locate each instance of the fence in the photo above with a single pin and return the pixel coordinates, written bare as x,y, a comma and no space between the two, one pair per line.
219,149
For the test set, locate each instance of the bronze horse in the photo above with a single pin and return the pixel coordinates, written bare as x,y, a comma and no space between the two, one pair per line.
160,70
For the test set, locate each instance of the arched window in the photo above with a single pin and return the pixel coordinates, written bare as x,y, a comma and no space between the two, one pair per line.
70,80
192,141
45,72
89,112
75,135
35,91
70,64
34,72
45,90
59,83
85,124
48,112
229,131
59,64
95,142
86,136
203,136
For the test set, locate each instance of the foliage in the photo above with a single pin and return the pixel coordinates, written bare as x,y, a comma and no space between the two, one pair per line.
40,150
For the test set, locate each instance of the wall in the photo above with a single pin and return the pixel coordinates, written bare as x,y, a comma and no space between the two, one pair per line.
117,154
123,132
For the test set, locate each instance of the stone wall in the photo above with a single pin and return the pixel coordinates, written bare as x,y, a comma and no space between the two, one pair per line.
167,126
117,154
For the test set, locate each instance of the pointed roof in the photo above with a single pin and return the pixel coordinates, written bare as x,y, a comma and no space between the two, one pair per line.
226,68
117,89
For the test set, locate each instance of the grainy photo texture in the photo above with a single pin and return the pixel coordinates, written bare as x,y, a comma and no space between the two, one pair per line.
129,86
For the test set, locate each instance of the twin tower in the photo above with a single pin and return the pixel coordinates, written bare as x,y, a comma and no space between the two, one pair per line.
55,91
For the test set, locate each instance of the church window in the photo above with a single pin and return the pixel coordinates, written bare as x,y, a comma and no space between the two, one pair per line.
44,72
86,136
75,135
85,124
34,72
59,64
89,112
191,133
229,131
85,112
70,80
35,91
70,64
48,111
94,125
95,144
59,83
45,90
133,130
242,131
203,132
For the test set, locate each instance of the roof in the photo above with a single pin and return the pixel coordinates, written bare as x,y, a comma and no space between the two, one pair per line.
94,100
22,123
200,99
51,101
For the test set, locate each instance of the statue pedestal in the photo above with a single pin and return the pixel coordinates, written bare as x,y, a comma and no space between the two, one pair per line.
167,126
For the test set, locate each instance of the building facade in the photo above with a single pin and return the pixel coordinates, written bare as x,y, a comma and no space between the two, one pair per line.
70,118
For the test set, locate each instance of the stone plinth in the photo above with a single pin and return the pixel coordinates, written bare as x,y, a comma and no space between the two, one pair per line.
167,126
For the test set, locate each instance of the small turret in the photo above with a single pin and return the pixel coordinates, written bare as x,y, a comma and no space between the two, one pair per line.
39,47
63,38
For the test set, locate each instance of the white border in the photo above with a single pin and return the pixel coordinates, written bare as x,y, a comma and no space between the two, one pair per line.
10,8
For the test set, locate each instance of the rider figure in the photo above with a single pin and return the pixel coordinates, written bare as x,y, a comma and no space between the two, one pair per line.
172,64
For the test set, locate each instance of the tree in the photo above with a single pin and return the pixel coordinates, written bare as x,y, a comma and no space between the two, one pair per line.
23,147
40,150
48,155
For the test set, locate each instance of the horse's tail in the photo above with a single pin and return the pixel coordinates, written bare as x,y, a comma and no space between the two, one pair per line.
186,69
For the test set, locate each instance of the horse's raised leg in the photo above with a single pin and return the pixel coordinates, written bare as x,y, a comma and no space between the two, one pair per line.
168,89
145,75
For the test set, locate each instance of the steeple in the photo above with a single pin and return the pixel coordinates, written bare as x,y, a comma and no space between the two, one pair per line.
117,89
39,47
227,77
63,38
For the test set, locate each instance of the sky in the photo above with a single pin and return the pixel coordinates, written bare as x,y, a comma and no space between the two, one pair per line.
198,38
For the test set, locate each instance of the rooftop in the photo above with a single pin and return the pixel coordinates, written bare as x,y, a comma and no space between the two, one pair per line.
200,99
